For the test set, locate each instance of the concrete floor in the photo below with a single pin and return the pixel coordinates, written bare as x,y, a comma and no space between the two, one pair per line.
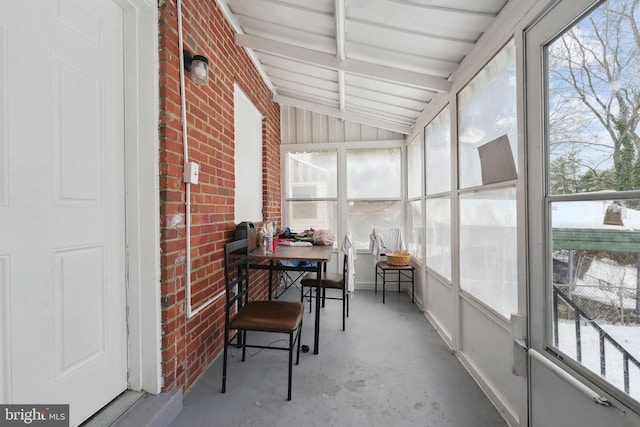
389,368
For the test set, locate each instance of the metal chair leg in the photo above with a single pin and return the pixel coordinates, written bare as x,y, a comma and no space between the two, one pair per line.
376,282
224,361
344,303
291,341
299,339
347,305
413,288
384,284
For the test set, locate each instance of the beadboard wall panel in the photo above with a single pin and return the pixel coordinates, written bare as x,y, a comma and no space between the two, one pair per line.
301,126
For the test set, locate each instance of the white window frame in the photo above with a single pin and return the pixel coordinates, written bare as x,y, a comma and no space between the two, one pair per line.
447,109
419,140
486,188
556,22
341,200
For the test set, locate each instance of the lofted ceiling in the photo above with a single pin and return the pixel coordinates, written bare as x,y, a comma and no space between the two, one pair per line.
376,62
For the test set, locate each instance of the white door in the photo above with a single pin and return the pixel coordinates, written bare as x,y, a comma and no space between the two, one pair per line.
583,79
62,213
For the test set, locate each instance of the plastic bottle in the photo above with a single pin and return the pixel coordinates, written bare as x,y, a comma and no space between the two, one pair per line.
260,239
268,238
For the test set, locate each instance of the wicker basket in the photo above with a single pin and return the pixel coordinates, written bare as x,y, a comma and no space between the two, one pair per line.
398,259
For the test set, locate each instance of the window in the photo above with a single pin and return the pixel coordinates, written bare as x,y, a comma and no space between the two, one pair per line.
593,198
438,187
438,224
488,252
248,158
488,220
368,180
438,153
311,190
414,229
486,111
415,180
374,173
414,168
374,191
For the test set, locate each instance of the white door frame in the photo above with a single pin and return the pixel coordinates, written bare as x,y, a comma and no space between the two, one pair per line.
142,199
558,394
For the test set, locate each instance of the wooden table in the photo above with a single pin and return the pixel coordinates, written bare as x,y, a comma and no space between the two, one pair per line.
319,255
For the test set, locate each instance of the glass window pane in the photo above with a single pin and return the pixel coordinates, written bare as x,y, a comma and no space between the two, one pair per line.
319,215
438,153
594,104
414,227
488,248
312,174
363,217
486,111
438,245
414,168
374,173
595,258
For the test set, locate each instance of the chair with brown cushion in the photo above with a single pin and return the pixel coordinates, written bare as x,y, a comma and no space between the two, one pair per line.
328,281
243,315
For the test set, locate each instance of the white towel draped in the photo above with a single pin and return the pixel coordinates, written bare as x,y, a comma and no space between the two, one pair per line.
350,250
385,241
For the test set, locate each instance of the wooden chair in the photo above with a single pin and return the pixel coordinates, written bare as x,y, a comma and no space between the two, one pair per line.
328,281
243,315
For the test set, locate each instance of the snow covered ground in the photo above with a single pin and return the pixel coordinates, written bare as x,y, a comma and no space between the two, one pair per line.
605,281
609,283
628,336
590,214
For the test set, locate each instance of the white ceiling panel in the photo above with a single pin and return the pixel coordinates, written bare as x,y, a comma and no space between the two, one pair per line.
300,98
381,98
422,17
322,88
384,108
282,75
291,66
412,43
379,62
381,112
436,66
302,15
390,88
321,42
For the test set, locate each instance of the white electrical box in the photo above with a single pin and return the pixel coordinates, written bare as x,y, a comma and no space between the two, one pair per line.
191,171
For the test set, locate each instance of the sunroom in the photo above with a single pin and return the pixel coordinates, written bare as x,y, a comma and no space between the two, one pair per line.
507,174
501,137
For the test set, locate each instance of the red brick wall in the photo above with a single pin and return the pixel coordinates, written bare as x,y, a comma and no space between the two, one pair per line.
190,345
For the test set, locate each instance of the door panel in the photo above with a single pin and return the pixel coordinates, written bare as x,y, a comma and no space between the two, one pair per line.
563,391
62,251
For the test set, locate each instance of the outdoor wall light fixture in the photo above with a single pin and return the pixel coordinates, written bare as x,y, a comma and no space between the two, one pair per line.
198,65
